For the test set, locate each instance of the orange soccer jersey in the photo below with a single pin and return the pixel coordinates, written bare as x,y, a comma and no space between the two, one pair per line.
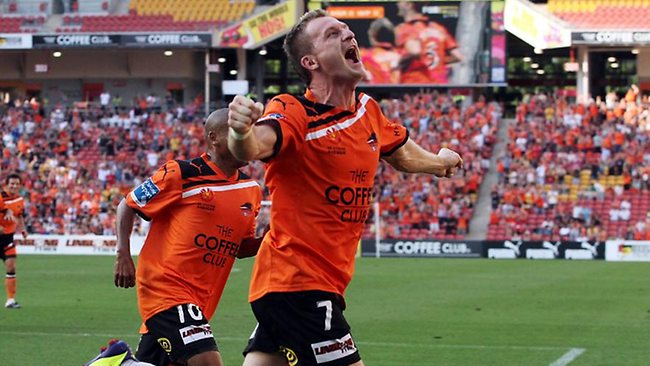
199,218
17,205
321,183
435,41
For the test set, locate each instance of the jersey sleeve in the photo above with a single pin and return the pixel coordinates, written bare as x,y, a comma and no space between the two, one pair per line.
155,194
392,136
284,114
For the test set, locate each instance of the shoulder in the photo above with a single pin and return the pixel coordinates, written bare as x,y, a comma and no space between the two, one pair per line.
284,104
195,167
370,104
247,180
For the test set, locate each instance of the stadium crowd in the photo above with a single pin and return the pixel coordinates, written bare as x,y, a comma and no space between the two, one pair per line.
569,172
422,206
78,161
575,172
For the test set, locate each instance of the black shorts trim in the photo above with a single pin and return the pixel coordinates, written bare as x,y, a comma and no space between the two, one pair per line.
308,327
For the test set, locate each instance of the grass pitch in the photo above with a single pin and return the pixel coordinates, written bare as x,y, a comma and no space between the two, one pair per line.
403,312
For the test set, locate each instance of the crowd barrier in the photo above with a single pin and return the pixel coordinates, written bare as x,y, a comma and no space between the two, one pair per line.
73,244
612,250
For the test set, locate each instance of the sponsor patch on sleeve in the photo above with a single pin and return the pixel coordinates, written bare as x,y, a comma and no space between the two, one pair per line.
145,192
275,116
334,349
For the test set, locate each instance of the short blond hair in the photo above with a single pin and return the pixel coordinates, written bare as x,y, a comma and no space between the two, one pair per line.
296,44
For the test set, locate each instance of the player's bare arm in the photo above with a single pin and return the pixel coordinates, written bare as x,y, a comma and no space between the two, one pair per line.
411,158
124,266
454,56
247,141
249,247
20,225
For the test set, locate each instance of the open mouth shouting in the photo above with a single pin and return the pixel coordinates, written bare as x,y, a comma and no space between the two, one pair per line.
352,55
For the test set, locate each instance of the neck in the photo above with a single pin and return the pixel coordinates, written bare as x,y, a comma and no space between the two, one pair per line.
227,166
332,92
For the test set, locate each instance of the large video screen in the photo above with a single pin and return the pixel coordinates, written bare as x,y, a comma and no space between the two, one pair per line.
445,43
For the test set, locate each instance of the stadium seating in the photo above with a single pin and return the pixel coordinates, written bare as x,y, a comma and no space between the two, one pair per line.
159,15
602,14
25,7
575,172
21,24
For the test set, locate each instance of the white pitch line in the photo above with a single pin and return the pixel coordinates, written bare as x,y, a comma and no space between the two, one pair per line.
568,357
364,343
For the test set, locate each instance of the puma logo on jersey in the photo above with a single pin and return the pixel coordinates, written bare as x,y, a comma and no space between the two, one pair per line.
284,104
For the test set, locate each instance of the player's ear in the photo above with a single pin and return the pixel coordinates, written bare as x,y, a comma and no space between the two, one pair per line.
212,137
309,62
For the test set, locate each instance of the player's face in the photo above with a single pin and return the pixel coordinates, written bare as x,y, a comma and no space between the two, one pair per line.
224,152
13,186
335,49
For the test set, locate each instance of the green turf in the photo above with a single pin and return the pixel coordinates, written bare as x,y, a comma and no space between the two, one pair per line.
403,312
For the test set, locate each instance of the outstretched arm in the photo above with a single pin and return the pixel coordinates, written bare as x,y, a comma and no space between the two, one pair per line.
454,56
124,266
411,158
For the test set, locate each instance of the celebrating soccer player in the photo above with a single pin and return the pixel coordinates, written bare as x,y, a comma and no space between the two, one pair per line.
322,150
202,214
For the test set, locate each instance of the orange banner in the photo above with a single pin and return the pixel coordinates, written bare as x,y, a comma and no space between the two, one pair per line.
356,12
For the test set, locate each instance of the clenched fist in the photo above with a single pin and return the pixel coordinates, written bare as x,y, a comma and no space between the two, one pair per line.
452,161
243,112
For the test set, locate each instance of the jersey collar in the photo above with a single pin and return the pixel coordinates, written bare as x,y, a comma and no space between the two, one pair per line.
309,95
216,169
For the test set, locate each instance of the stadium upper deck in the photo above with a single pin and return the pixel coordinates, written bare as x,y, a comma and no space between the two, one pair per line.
602,14
30,16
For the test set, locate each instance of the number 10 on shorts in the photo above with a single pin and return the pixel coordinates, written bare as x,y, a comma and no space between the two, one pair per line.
193,310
